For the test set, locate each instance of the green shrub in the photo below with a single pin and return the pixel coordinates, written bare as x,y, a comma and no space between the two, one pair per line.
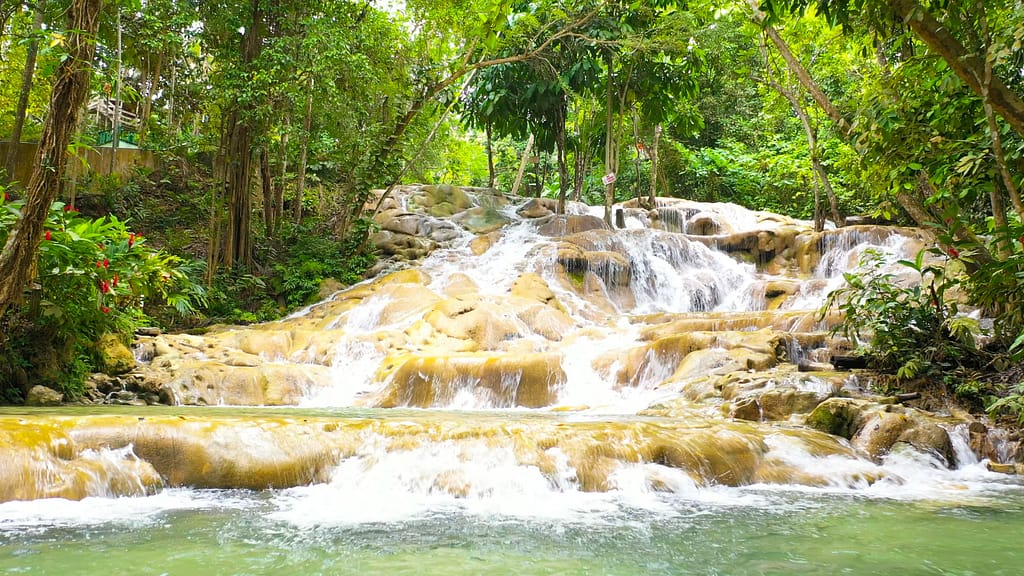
94,276
909,330
312,258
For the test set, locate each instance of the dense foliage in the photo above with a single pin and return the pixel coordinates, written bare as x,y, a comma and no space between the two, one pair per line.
275,121
94,276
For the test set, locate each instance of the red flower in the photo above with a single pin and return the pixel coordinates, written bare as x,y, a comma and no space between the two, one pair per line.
1021,241
131,239
48,236
99,264
953,252
106,262
104,309
7,197
104,286
115,280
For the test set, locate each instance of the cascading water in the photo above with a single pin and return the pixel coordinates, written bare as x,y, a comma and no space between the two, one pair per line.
544,395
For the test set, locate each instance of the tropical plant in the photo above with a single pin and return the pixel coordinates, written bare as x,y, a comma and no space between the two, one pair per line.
910,330
94,276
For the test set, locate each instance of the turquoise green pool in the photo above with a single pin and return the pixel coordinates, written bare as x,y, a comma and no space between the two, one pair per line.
727,532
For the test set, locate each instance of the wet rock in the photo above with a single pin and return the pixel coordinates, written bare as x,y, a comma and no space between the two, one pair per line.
483,242
460,285
776,288
403,246
401,222
114,357
144,349
1001,468
42,396
442,200
528,380
707,224
532,287
328,286
481,220
484,322
775,404
838,416
981,443
880,431
556,226
204,382
932,439
440,231
538,208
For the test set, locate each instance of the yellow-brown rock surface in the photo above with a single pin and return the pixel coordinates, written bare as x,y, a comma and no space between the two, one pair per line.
79,456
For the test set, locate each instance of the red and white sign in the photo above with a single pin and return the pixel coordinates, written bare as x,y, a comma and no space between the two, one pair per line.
609,178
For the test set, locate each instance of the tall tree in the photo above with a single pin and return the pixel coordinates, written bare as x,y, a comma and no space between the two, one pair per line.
17,261
27,77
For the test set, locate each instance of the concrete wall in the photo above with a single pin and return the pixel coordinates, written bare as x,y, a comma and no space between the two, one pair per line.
97,159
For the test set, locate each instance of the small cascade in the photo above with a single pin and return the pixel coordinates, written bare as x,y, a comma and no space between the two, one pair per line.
49,464
534,363
672,274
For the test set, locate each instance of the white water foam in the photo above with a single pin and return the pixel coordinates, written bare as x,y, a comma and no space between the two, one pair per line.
379,486
51,512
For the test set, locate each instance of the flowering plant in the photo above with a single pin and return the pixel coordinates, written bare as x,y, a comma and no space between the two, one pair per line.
96,276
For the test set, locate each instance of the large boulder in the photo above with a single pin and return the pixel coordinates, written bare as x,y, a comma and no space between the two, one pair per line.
839,416
481,219
113,355
557,226
537,208
442,200
39,395
775,404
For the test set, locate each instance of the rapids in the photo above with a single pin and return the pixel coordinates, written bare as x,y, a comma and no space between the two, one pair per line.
522,392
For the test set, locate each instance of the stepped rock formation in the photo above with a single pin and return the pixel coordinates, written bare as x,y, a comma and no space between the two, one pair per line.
671,344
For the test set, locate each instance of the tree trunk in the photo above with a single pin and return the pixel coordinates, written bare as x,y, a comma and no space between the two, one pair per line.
282,162
170,99
238,239
522,165
652,200
563,168
116,130
490,156
812,145
994,135
609,147
147,105
18,259
300,175
582,156
800,72
26,90
237,181
267,187
967,66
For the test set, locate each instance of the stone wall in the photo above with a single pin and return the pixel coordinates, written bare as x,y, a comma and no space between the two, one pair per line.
97,160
